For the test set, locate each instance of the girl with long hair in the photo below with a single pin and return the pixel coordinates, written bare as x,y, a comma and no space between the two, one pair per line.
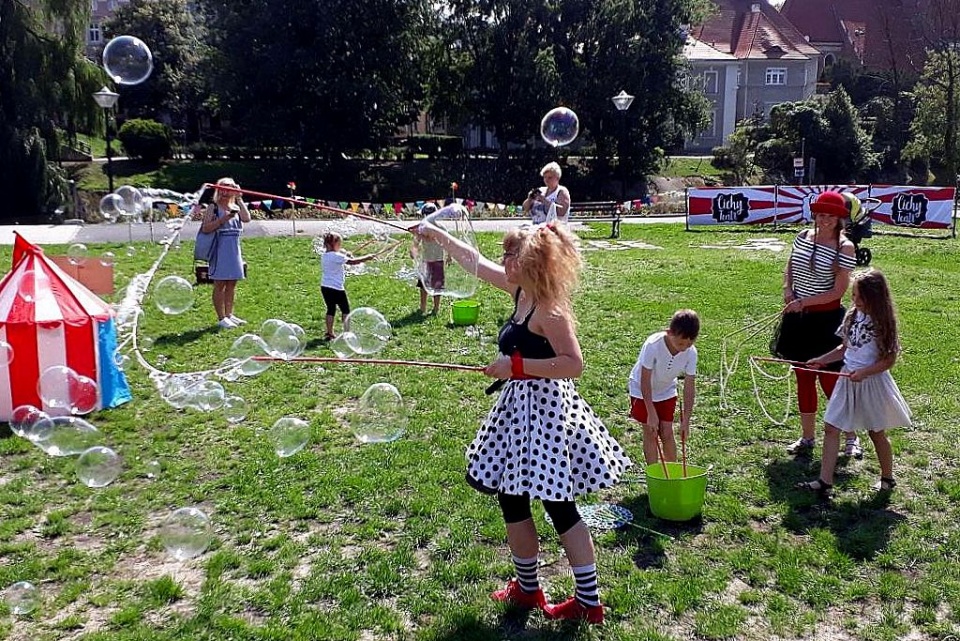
867,398
541,440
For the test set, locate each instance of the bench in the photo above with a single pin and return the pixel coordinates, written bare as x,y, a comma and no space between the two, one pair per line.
598,211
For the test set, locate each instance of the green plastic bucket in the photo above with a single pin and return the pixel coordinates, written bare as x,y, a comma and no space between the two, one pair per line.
676,498
465,312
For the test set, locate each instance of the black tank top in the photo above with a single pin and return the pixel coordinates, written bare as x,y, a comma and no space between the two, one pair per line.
516,336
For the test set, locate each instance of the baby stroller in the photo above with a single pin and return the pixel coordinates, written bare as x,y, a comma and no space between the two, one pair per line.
858,224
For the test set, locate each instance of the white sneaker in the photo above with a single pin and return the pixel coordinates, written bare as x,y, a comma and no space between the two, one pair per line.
237,320
226,323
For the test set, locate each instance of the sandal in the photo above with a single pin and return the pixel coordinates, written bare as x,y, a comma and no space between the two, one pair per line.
329,337
885,485
820,487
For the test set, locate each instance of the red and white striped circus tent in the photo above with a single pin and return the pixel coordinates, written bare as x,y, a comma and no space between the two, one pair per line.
48,318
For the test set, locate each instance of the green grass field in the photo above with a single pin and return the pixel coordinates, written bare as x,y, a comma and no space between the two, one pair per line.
345,541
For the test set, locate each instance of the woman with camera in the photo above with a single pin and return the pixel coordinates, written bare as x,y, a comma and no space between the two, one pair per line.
548,202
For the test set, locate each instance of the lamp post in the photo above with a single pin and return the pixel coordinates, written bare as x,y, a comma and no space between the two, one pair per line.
622,102
107,100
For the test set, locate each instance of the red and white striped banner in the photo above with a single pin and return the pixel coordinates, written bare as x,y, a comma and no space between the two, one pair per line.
731,205
917,207
793,201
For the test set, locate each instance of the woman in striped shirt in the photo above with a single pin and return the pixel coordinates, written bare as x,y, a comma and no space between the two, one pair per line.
815,280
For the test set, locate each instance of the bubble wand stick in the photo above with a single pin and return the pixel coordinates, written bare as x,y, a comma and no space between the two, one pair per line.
797,365
369,361
342,212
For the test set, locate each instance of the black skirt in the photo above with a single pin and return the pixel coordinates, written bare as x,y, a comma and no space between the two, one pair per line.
808,334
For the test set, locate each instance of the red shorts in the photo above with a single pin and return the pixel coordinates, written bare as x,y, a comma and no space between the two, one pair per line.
435,275
665,409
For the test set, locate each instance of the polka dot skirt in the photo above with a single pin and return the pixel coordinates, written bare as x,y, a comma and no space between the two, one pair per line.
542,440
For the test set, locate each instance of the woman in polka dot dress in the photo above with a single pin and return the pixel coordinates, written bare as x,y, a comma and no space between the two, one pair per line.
541,440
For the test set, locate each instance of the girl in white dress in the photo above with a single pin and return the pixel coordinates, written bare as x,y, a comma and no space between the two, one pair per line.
868,398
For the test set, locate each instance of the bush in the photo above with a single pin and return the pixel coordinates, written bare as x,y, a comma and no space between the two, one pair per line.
146,139
434,146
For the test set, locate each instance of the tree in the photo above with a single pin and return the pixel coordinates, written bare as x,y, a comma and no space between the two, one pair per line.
934,128
513,60
326,77
45,87
736,157
934,131
846,155
176,90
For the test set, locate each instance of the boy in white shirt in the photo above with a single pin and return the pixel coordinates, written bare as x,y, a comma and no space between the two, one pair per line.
653,384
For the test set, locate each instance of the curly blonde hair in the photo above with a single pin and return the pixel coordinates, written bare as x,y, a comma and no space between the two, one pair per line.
877,303
549,261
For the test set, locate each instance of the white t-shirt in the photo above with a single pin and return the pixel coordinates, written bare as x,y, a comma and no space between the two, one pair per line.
664,367
861,343
331,264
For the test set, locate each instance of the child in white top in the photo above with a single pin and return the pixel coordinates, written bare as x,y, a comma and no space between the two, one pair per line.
653,384
333,278
868,398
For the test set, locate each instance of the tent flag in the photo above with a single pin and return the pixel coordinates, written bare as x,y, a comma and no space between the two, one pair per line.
114,389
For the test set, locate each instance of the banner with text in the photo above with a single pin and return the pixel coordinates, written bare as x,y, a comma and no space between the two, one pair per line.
917,207
731,205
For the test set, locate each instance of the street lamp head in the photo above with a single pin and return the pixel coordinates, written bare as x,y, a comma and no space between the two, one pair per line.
622,101
106,98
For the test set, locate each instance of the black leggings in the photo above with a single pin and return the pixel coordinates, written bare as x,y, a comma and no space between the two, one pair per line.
515,509
335,298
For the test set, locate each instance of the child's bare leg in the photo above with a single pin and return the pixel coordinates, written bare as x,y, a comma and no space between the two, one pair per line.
423,301
669,442
436,304
329,320
884,452
650,436
831,447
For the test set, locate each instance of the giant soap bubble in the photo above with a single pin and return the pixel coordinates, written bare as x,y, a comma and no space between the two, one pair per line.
98,466
131,200
440,276
127,60
173,295
244,349
22,597
381,416
77,254
234,409
23,418
283,340
111,207
65,435
560,127
6,353
289,435
369,330
186,533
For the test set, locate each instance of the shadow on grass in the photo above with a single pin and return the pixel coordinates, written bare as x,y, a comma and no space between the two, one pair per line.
413,318
511,624
647,533
862,526
183,338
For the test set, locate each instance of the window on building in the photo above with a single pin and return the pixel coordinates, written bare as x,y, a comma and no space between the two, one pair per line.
710,81
94,33
776,76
